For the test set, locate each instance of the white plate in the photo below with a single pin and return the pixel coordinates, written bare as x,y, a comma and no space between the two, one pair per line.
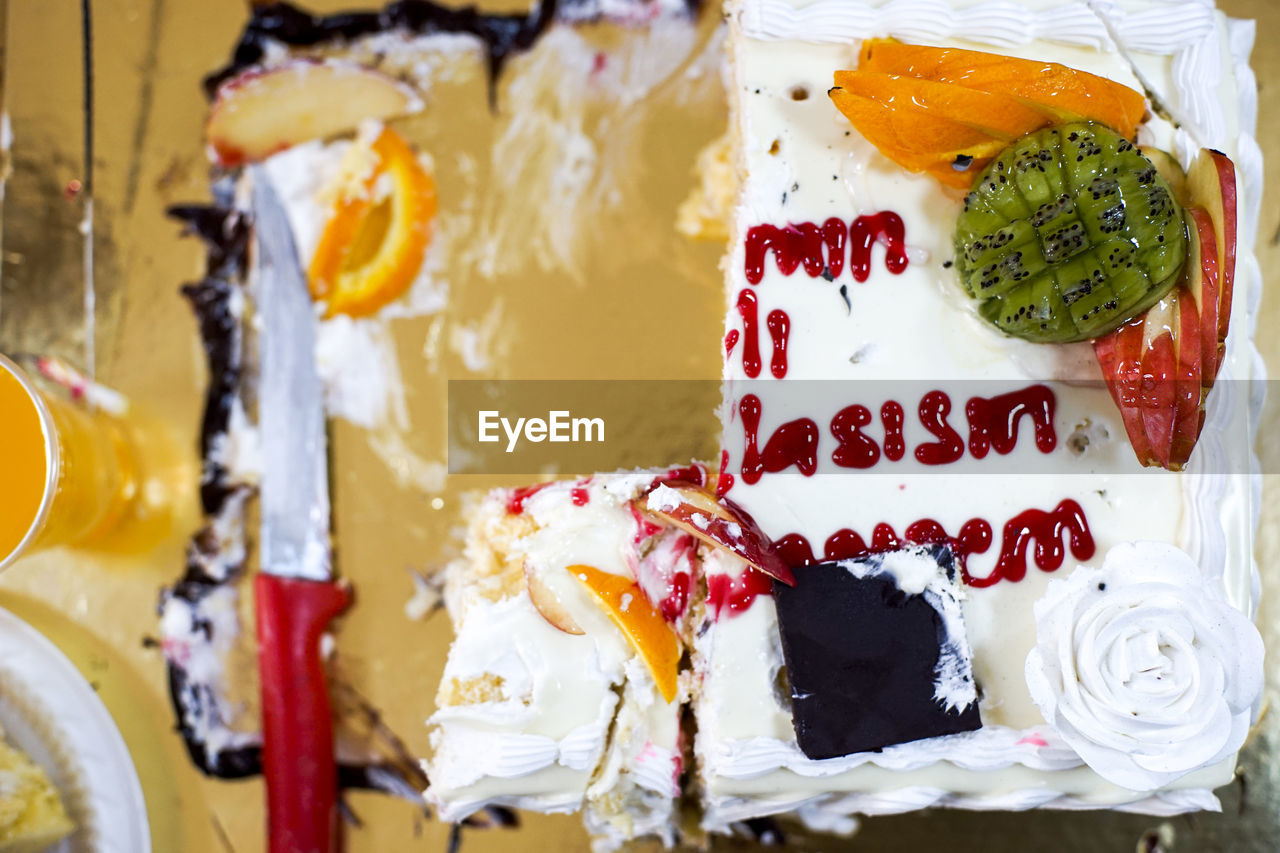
50,712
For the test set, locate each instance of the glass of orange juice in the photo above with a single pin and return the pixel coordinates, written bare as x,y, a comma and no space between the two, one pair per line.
68,474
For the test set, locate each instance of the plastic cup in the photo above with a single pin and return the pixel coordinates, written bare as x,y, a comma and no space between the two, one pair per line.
67,473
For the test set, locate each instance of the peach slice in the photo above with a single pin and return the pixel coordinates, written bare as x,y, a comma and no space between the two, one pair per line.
649,634
262,111
918,142
376,238
719,522
995,114
547,603
1060,92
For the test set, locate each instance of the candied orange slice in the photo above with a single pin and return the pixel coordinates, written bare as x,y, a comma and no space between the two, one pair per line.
650,635
1062,93
916,140
376,238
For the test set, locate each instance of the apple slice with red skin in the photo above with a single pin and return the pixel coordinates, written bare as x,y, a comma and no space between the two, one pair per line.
1188,389
1157,399
720,523
1168,167
1152,362
262,111
546,602
1211,184
1119,354
1154,365
1203,281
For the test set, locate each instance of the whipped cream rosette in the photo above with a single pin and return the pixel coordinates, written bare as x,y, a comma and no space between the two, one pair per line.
1143,667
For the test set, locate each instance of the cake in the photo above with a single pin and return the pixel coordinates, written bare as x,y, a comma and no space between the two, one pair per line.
853,435
1053,584
32,816
551,700
954,552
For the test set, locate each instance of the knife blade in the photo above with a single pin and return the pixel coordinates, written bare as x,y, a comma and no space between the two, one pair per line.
296,594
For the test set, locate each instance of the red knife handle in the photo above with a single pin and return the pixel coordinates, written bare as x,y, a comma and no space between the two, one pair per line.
297,724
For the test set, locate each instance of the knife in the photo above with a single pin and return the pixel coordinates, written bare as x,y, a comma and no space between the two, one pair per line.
297,596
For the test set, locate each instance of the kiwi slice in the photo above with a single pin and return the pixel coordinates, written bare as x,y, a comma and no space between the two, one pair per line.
1067,234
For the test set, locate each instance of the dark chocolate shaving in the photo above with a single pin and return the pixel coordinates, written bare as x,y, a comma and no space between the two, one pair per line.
210,299
862,658
764,831
225,233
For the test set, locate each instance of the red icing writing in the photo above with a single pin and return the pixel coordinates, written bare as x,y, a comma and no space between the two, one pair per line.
856,450
748,309
793,443
1044,529
794,550
865,232
724,482
892,417
779,330
993,421
933,411
821,249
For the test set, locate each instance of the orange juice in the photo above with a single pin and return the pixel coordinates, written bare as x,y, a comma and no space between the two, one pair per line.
68,475
24,462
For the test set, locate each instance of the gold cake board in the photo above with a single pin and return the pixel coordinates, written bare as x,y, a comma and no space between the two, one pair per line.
151,55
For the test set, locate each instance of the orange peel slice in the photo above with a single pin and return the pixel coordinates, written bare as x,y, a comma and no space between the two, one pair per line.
649,634
377,236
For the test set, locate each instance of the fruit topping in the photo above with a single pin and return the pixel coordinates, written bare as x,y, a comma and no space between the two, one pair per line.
1061,93
1068,233
719,522
374,242
650,635
916,140
1211,183
1161,366
262,111
876,652
547,603
946,111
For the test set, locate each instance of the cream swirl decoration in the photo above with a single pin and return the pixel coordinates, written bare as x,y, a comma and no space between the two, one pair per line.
1143,667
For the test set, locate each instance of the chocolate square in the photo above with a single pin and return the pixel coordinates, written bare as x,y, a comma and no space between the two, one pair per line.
864,658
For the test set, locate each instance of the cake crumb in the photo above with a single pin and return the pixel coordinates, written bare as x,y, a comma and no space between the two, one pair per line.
471,691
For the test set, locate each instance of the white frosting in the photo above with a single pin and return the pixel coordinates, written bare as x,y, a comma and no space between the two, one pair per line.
1143,667
577,721
1199,64
356,360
